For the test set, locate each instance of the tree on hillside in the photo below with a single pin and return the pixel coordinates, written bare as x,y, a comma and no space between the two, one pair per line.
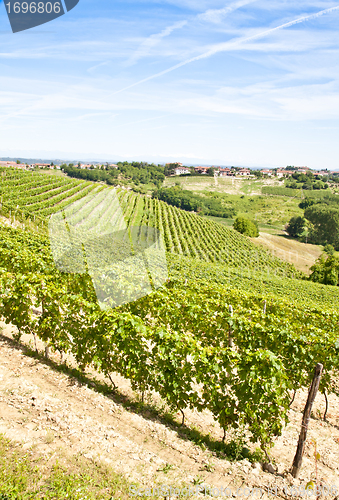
296,226
325,220
246,227
307,202
326,270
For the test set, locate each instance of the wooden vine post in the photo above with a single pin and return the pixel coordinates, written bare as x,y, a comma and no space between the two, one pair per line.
305,421
230,338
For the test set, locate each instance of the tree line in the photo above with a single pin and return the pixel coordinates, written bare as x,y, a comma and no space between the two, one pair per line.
136,172
187,200
321,221
306,181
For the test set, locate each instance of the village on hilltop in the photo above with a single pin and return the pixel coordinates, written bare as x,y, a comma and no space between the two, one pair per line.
176,169
179,169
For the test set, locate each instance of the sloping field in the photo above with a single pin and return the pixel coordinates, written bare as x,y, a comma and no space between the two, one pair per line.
165,344
28,195
301,255
230,185
266,284
228,372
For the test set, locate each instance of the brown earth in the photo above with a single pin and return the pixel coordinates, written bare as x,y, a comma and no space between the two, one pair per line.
302,255
44,408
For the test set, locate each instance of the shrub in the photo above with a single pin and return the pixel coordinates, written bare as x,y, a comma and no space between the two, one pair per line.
329,249
325,270
246,227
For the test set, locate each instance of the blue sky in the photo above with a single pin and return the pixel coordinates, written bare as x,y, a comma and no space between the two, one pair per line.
195,81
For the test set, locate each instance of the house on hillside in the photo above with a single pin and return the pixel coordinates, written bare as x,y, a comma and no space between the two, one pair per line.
284,173
13,164
225,172
266,172
6,163
201,170
302,170
244,172
181,171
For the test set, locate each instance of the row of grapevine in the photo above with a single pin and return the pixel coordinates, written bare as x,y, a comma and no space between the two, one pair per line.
250,279
184,233
175,340
39,194
191,235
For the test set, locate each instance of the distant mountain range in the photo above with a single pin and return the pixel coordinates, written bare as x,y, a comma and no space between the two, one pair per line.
58,161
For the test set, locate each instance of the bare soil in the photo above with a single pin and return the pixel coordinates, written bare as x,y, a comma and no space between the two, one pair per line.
44,408
302,255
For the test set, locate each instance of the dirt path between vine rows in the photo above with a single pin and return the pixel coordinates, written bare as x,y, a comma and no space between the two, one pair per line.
49,410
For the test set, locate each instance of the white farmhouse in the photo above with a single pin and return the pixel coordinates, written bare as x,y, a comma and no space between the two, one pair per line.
181,171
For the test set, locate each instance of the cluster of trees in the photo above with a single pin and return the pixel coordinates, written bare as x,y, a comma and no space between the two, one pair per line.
95,174
187,200
324,221
296,226
305,181
136,172
321,218
142,172
246,227
326,268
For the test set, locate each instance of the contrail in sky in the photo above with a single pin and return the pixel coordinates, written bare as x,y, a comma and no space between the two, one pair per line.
223,47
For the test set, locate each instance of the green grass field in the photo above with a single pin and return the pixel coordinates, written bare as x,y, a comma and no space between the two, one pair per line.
271,212
245,196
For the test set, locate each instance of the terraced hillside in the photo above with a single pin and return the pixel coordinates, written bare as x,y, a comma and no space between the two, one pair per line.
31,197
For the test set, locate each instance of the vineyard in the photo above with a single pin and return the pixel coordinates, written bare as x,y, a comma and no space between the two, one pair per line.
198,344
31,198
282,191
228,332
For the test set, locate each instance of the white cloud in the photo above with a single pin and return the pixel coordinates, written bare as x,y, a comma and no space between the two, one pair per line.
146,46
217,15
229,46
